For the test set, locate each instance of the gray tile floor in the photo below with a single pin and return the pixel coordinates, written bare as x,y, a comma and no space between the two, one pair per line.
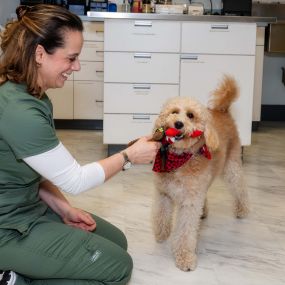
230,251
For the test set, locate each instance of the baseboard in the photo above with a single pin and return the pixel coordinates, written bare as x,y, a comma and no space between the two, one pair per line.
79,124
273,113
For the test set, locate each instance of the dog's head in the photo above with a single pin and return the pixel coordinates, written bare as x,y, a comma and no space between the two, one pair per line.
187,116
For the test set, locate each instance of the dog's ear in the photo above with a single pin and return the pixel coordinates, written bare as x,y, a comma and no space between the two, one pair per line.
211,138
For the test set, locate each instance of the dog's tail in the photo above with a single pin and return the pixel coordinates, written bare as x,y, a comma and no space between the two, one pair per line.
226,93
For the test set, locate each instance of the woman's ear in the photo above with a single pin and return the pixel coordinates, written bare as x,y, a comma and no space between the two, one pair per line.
40,54
211,138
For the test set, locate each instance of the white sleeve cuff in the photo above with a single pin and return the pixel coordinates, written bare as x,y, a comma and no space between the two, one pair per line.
58,166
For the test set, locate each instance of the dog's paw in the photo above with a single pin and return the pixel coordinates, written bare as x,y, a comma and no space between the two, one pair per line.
241,210
186,260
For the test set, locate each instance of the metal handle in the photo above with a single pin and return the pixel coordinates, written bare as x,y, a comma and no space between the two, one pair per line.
142,55
142,86
189,57
99,101
143,23
141,117
220,27
99,71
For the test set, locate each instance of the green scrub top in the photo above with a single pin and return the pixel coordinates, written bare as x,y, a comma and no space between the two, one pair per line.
26,129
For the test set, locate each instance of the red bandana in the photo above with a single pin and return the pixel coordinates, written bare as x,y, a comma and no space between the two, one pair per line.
173,161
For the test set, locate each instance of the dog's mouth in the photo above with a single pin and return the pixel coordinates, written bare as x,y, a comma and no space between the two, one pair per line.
179,137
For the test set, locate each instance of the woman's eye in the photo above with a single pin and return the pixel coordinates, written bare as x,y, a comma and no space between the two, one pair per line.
190,115
72,59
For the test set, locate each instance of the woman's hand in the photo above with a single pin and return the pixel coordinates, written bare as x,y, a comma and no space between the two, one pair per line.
79,219
143,151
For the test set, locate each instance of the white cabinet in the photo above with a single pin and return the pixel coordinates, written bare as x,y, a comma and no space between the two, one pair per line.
147,62
82,95
225,53
141,71
62,101
256,112
88,100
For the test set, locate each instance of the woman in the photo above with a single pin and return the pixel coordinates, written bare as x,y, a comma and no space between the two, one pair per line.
42,237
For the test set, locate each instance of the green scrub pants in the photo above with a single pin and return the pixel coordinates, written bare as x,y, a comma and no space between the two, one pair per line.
57,254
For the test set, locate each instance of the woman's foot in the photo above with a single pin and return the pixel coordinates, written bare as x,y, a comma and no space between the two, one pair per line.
7,277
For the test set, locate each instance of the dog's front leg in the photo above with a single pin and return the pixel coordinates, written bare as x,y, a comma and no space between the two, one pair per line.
186,233
162,216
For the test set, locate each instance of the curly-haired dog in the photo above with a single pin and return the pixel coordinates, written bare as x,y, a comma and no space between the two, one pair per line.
206,145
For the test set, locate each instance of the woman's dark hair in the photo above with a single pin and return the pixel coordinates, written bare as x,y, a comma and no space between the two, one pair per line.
41,24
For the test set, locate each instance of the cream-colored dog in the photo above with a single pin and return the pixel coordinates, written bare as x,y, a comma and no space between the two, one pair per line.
207,145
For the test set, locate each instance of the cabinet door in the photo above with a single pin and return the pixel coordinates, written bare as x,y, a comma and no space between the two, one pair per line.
201,74
90,71
88,100
93,31
92,51
62,100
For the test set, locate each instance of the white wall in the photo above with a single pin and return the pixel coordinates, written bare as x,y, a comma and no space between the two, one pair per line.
7,8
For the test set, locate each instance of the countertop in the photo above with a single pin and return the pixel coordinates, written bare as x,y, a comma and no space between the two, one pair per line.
101,16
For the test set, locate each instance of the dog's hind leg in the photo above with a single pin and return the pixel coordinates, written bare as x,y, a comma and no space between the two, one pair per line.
186,232
233,175
162,213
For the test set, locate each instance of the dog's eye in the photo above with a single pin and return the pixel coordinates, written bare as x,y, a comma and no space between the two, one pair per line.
174,112
190,115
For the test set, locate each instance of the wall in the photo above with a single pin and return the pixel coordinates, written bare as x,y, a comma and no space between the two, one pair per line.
7,10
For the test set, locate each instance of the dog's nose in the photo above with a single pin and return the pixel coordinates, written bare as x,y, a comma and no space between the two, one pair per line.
178,125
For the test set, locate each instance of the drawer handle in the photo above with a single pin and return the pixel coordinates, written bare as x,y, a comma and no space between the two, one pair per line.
99,101
142,86
141,117
99,32
143,23
99,71
142,55
219,27
189,57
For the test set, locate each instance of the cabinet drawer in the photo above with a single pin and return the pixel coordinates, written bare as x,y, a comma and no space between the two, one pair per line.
62,101
88,100
92,51
121,129
142,35
137,98
90,71
219,38
93,31
141,67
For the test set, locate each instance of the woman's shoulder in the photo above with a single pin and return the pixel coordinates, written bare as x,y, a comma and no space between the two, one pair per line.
16,95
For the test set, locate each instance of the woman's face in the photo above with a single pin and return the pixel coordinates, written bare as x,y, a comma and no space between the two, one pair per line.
55,68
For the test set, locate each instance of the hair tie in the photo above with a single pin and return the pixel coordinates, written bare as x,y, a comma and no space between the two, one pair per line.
22,10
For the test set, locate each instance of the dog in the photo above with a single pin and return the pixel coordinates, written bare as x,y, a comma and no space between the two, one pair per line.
205,144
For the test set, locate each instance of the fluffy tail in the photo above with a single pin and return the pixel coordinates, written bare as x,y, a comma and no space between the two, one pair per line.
226,93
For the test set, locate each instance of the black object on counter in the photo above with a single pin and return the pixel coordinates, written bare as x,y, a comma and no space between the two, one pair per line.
237,7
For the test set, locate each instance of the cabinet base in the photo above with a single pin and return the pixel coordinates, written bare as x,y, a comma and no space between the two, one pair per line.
114,148
79,124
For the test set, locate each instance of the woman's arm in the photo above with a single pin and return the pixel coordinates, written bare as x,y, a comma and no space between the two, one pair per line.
51,195
59,167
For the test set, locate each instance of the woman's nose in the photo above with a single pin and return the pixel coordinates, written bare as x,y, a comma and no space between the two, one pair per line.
76,65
